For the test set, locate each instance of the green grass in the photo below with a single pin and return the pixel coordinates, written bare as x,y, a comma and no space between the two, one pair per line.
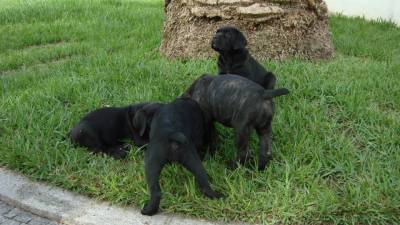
336,136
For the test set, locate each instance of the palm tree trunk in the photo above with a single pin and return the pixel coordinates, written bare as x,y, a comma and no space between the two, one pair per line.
274,28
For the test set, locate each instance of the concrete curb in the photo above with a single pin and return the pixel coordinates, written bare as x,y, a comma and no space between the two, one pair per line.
65,207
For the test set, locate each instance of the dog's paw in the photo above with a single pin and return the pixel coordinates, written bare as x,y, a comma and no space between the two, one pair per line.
218,195
119,152
212,148
149,210
264,163
261,167
232,164
213,194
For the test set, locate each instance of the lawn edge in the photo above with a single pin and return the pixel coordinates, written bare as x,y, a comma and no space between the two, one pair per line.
71,209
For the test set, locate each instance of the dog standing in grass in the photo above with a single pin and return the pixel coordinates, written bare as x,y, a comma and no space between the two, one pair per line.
178,133
234,58
241,104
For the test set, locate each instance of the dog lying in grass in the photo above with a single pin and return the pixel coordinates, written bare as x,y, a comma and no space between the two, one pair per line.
234,58
177,134
107,129
241,104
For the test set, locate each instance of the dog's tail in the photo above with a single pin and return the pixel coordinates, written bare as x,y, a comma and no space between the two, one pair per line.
176,139
268,94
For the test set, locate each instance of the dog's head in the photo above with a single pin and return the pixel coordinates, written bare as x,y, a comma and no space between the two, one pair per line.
228,39
143,117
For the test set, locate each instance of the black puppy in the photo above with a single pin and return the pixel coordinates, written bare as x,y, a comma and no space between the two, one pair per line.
106,129
234,58
177,134
242,104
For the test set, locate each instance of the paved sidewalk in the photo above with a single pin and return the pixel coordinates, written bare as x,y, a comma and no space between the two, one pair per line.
68,208
15,216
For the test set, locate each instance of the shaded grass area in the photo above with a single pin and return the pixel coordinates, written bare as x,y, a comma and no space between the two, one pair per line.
336,136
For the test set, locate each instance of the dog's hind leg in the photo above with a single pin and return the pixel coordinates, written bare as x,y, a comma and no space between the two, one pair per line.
153,164
265,138
192,162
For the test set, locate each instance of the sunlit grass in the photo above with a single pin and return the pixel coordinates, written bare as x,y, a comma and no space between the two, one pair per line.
336,136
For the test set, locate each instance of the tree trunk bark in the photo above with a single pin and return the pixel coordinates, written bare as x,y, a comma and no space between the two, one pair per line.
276,29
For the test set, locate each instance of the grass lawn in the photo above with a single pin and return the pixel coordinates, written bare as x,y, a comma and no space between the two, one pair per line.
336,136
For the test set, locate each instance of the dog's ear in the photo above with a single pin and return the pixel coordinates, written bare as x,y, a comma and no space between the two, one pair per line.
144,116
151,109
240,41
140,121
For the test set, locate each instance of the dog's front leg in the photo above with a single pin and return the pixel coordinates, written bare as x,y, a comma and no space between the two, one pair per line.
153,167
265,138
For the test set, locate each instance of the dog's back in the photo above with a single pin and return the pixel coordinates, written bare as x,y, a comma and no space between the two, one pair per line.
248,68
182,116
233,99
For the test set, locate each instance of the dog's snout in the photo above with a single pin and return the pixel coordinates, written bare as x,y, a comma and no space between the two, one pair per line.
214,42
218,35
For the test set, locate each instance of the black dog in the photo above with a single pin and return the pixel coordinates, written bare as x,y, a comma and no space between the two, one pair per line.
106,129
234,58
242,104
177,134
